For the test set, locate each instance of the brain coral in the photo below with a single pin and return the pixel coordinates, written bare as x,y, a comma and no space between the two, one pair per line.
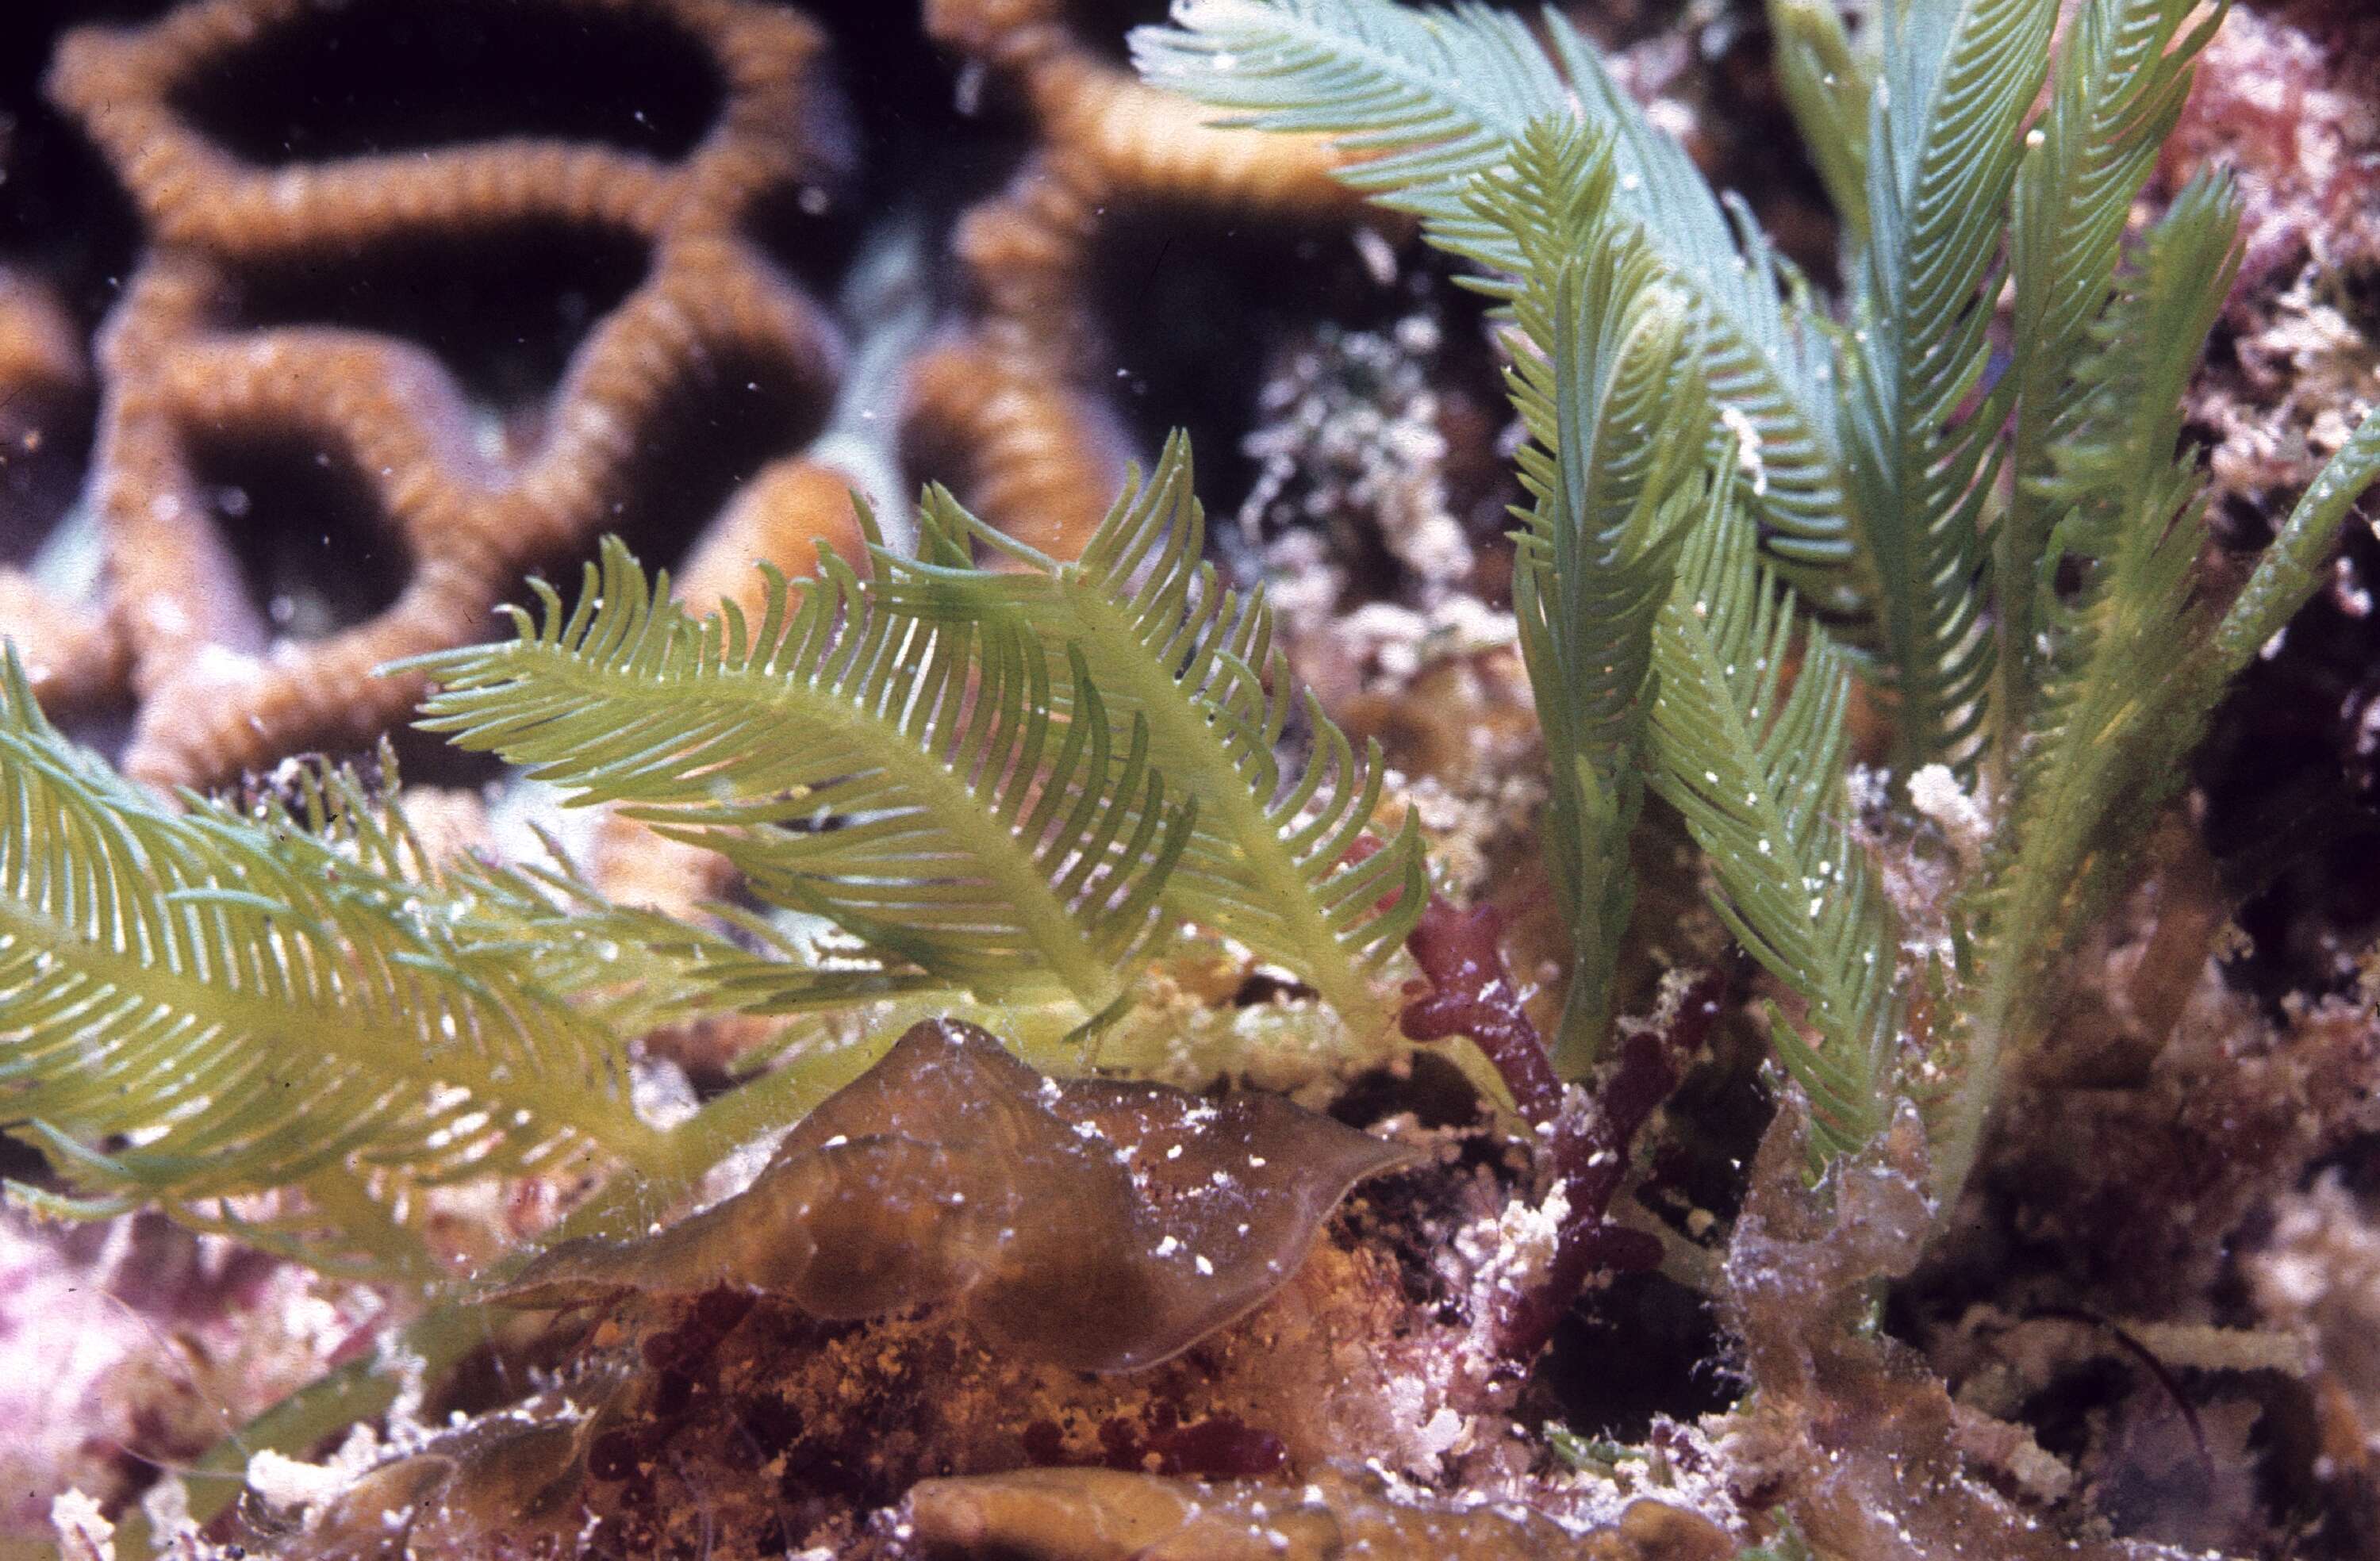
239,334
1015,393
342,317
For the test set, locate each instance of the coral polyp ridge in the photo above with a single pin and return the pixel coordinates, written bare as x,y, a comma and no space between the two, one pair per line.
460,512
459,493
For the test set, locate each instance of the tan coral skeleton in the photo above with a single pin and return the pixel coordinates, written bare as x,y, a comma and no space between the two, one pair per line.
1015,392
215,692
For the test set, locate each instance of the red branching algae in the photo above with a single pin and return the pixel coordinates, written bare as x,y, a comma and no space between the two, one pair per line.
1591,1142
1467,990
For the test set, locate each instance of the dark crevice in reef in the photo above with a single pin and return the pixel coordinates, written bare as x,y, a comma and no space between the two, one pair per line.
735,416
44,448
2291,777
502,307
313,544
1104,24
925,137
1194,311
426,759
381,75
62,213
1640,1347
